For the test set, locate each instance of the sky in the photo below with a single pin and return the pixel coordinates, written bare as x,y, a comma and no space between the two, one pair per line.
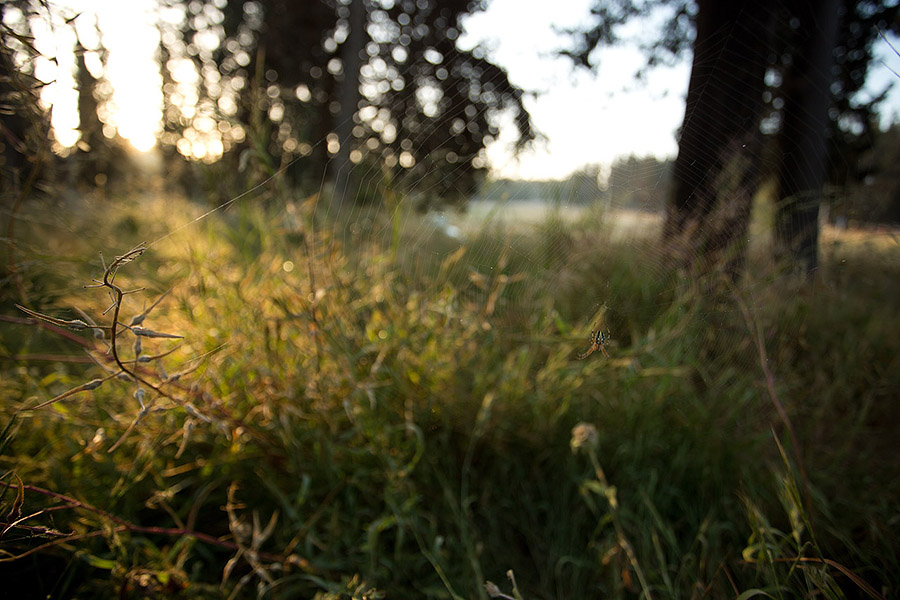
586,118
132,40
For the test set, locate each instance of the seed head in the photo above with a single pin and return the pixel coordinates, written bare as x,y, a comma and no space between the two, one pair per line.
584,435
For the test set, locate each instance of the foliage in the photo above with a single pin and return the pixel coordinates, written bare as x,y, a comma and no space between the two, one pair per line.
672,39
388,90
25,124
24,128
374,425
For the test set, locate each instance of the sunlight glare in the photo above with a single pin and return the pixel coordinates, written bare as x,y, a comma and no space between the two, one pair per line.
128,33
132,40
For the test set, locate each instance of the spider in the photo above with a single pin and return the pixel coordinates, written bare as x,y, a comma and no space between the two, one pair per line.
598,342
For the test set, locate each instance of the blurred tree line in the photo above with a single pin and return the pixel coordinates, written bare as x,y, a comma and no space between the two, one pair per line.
633,183
579,188
639,183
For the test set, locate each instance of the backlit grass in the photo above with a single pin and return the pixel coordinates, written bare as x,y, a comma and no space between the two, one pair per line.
392,413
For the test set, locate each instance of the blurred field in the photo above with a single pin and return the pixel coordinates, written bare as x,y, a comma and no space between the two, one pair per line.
628,223
401,413
532,213
883,242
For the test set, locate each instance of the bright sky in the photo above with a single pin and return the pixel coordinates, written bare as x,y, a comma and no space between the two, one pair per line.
132,41
586,118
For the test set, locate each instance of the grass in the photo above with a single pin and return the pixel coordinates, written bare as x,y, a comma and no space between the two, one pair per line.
395,413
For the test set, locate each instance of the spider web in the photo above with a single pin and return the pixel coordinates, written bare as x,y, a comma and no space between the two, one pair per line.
542,239
544,266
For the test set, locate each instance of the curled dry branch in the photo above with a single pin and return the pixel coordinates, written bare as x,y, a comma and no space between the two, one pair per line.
112,333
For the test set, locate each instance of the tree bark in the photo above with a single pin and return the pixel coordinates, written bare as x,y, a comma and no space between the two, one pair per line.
802,143
717,170
341,167
13,127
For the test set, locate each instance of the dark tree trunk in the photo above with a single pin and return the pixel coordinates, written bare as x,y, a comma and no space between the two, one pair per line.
717,170
93,148
341,168
802,140
13,129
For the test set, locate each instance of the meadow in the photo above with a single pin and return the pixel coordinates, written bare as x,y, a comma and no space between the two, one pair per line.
380,410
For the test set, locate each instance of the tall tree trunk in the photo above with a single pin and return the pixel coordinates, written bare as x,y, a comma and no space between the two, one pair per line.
341,167
717,170
94,153
13,125
803,148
